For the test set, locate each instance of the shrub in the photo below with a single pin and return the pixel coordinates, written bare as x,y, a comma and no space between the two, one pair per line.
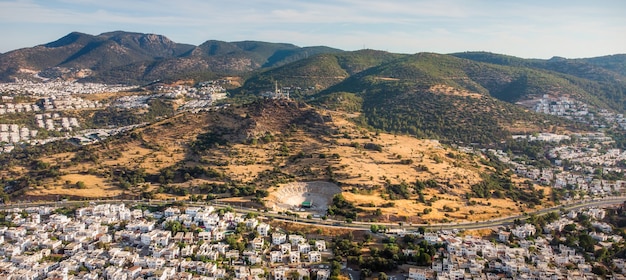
373,147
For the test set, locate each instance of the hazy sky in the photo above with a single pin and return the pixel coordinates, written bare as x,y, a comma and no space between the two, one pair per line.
530,29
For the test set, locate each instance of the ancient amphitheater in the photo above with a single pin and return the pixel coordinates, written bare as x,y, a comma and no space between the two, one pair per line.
292,196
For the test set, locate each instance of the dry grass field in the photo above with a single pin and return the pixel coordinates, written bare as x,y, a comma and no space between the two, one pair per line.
336,150
95,187
159,148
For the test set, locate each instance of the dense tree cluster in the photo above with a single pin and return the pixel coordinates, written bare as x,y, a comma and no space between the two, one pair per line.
387,258
182,173
417,112
340,206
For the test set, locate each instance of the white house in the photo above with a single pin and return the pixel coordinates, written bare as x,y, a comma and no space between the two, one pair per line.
280,273
279,238
263,229
204,235
294,257
420,273
524,231
192,211
315,256
171,211
323,274
285,248
276,256
431,237
320,245
304,248
296,239
217,235
503,236
134,271
257,243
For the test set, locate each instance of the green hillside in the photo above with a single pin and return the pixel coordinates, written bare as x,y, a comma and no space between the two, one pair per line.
597,81
316,73
615,63
260,54
467,97
449,98
427,69
461,119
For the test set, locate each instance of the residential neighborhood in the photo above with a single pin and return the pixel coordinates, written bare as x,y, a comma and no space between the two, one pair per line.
54,105
576,167
138,241
575,110
112,241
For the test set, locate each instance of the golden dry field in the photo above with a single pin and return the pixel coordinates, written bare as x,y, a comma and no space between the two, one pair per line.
276,143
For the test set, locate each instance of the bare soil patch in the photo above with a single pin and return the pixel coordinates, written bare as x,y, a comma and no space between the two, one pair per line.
448,90
94,187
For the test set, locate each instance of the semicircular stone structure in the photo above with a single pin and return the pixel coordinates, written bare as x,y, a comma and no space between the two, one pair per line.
316,196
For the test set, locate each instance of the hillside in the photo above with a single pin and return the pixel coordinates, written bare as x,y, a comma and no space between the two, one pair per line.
615,63
600,81
425,95
380,128
250,151
261,54
317,73
403,93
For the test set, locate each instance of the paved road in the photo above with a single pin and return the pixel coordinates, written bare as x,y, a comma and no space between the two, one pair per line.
449,226
359,225
510,219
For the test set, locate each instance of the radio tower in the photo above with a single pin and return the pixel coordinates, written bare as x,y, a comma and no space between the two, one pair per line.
276,88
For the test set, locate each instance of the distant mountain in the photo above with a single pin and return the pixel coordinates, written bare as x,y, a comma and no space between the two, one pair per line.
615,63
599,68
600,81
136,57
114,49
261,54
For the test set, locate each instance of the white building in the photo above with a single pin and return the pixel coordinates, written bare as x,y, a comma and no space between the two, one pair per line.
263,229
315,256
276,256
279,238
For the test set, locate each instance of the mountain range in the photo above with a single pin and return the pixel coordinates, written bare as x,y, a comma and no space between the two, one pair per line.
126,57
467,97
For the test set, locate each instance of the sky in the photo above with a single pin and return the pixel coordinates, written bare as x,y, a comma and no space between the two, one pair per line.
523,28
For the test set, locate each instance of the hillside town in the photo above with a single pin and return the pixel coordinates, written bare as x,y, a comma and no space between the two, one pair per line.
59,88
52,107
118,241
572,109
576,167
